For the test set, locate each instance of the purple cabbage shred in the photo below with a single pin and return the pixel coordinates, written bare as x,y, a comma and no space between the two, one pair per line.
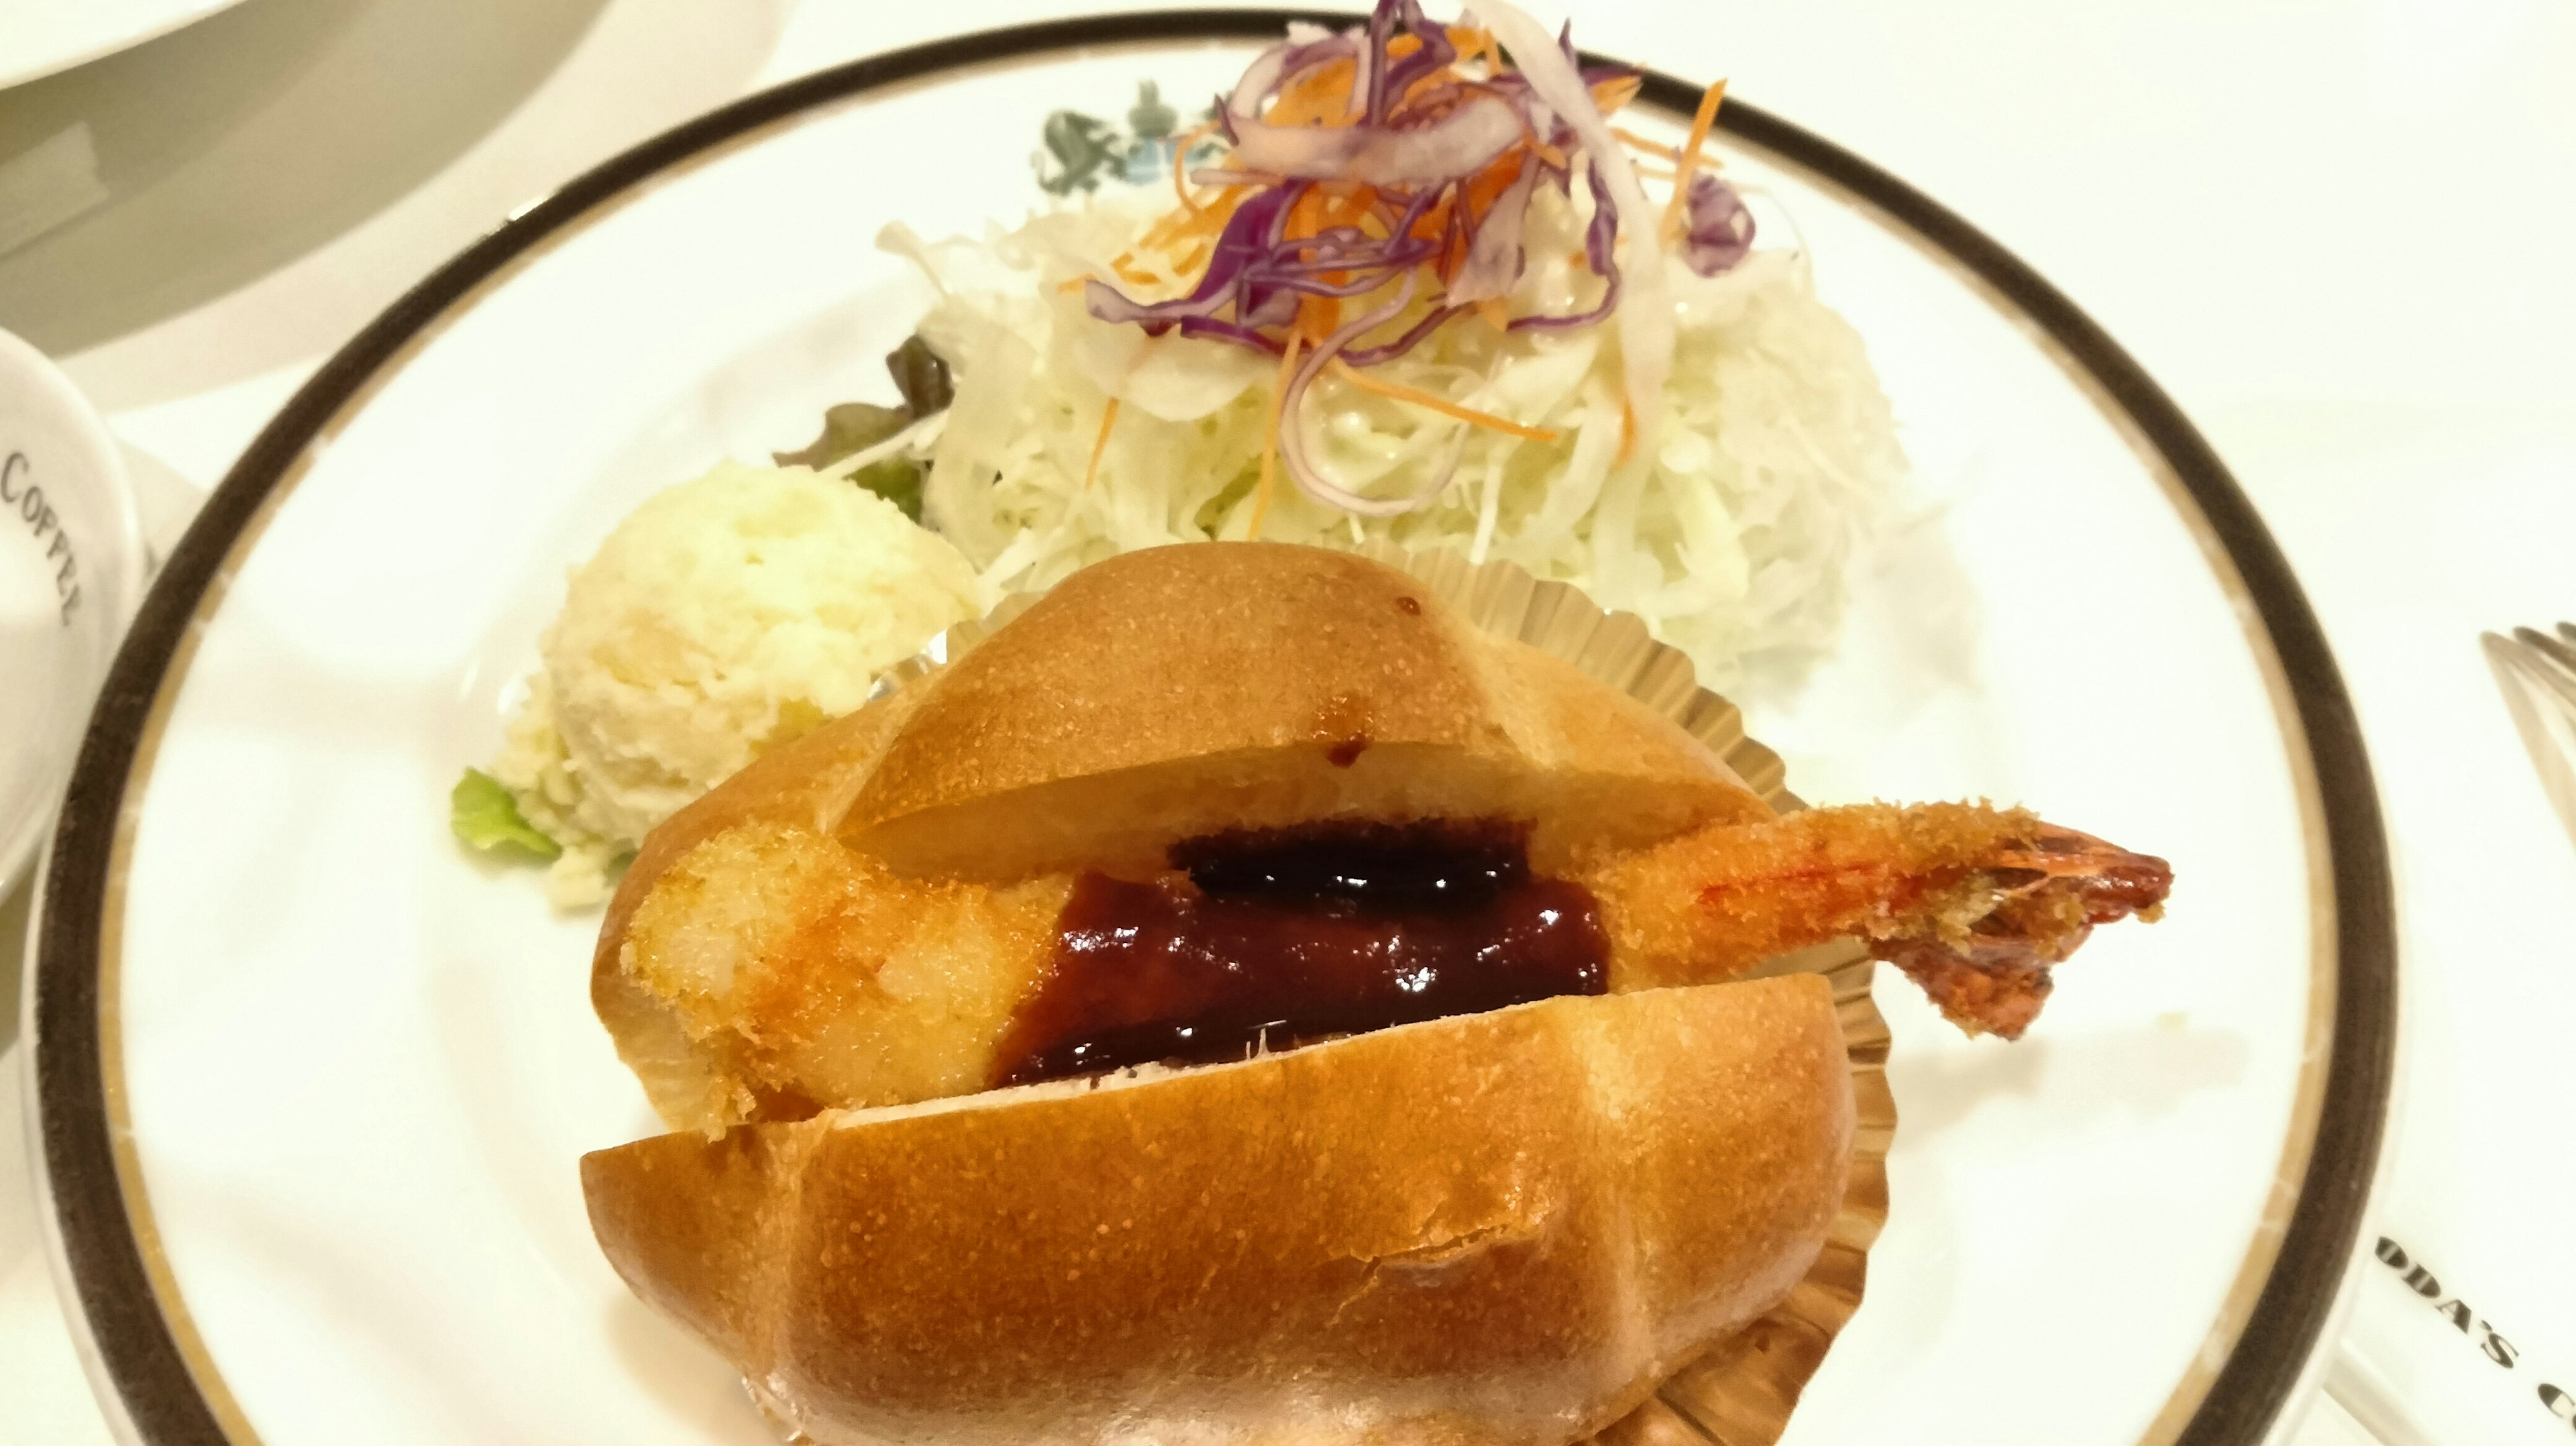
1719,229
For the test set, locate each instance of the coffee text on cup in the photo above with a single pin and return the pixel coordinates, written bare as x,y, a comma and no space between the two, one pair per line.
23,496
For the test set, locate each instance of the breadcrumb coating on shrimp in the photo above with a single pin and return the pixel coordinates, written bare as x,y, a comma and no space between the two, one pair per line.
804,974
1973,902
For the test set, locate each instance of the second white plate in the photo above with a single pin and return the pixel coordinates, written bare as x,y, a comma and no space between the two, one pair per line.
40,37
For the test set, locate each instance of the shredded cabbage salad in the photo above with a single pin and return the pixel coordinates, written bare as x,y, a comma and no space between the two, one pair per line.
1425,298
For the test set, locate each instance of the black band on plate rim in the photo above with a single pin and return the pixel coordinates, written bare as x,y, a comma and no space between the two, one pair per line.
136,1344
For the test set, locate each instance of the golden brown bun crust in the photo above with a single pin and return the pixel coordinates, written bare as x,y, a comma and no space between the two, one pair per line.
1181,690
1572,1199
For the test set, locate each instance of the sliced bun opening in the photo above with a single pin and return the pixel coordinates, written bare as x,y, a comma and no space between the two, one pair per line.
1180,691
1127,822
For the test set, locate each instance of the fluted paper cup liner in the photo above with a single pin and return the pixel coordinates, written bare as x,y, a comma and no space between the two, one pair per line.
1741,1392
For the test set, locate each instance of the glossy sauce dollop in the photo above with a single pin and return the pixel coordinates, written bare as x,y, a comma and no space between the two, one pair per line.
1277,938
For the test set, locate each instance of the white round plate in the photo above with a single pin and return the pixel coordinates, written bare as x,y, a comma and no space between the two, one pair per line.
40,37
313,1081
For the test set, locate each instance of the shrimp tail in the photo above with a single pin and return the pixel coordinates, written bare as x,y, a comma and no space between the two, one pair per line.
1990,974
1975,904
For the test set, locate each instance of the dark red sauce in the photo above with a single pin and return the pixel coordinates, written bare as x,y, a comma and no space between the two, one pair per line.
1279,938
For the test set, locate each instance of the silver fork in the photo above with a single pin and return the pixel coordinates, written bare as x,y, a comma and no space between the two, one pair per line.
2538,675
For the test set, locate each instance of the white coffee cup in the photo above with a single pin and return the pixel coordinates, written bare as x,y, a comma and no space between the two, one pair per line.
71,572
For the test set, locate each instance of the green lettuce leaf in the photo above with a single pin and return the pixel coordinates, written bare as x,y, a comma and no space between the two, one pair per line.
855,427
921,376
486,817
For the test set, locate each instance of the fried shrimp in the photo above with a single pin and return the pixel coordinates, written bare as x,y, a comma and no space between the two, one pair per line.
1974,903
1101,840
808,975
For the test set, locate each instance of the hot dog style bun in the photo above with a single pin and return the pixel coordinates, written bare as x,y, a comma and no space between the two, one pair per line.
1501,1226
925,844
1494,1228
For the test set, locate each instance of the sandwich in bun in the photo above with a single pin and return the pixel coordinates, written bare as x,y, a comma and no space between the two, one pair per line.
1238,1000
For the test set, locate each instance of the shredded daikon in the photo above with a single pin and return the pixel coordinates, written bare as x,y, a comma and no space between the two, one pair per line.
1766,452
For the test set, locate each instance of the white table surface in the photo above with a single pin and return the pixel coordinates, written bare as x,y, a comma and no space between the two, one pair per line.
2339,234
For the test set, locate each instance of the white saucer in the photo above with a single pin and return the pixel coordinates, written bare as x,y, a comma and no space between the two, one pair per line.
71,570
40,37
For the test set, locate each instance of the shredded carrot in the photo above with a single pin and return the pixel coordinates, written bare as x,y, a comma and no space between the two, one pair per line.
1472,41
1270,437
1496,315
1128,271
1207,222
1108,419
1429,225
1197,257
1319,317
1323,97
1627,432
1160,232
1179,225
1689,162
1072,284
1610,95
1180,166
1440,404
1306,217
1490,183
1652,148
1529,137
